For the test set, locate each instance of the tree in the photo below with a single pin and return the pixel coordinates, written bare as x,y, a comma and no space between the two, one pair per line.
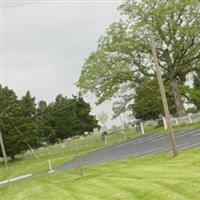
27,121
87,122
16,121
123,56
65,117
192,94
8,113
103,118
122,109
147,101
44,117
24,125
195,92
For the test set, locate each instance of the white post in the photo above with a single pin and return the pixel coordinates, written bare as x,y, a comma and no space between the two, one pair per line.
50,167
190,119
164,123
142,128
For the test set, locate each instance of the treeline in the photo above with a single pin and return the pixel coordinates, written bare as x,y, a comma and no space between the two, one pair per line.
24,123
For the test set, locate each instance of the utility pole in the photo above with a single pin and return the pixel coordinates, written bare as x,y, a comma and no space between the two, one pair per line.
164,99
3,150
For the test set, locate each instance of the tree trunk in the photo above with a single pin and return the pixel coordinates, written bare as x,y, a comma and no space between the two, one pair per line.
177,98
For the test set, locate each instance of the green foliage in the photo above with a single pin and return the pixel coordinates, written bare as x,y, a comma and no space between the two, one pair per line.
24,125
123,56
193,93
70,117
44,117
147,101
17,121
65,117
102,118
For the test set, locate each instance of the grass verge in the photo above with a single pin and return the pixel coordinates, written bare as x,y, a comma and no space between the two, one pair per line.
159,177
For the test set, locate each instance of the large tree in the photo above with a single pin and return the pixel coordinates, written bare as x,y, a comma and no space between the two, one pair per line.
123,56
17,122
65,117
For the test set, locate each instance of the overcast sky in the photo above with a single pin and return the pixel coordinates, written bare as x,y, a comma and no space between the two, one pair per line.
45,44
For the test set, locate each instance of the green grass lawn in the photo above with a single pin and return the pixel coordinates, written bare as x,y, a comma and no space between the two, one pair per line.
59,155
159,177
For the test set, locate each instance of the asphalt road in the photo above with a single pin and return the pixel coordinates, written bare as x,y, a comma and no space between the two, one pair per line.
151,144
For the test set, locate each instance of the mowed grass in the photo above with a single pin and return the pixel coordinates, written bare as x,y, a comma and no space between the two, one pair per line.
159,177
